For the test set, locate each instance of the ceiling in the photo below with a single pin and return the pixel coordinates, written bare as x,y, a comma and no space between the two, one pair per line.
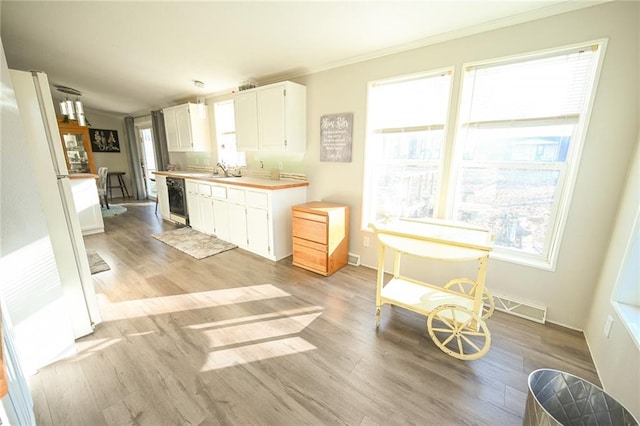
132,57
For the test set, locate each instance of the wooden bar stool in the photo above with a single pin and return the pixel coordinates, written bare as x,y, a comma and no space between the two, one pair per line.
118,185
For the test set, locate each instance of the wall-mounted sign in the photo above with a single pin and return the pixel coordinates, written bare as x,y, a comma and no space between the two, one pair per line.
336,137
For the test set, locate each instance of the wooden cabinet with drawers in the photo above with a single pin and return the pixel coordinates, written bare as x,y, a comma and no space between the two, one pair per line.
320,236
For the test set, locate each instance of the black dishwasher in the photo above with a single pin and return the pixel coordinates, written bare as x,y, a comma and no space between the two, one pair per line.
177,200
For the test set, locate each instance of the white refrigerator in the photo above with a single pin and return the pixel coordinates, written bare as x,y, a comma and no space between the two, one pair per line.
52,298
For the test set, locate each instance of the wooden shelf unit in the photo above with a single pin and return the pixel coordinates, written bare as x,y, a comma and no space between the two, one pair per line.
77,146
320,236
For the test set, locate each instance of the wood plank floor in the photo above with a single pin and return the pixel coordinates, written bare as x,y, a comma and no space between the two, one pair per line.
236,339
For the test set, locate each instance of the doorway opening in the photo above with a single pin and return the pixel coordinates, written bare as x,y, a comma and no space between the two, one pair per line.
148,160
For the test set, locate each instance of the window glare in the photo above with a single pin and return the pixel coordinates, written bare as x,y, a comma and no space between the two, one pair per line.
226,135
405,145
405,191
426,145
522,144
409,103
515,203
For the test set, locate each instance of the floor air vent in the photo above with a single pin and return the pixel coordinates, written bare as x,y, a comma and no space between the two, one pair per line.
521,309
353,259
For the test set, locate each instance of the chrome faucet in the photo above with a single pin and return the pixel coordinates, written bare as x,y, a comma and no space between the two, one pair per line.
223,168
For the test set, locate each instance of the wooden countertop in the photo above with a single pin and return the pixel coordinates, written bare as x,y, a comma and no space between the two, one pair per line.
82,176
251,182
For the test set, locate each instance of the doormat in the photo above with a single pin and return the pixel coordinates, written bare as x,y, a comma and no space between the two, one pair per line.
194,243
96,263
113,210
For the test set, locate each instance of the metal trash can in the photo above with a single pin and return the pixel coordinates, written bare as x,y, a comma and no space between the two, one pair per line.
558,398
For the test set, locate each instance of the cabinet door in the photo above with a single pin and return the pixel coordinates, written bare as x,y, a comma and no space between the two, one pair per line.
183,128
206,215
193,207
163,196
258,231
271,117
220,219
246,115
171,129
237,219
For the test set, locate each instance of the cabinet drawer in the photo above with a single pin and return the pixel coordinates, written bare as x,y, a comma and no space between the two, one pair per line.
309,258
236,195
310,230
310,216
204,189
310,244
191,187
219,192
257,199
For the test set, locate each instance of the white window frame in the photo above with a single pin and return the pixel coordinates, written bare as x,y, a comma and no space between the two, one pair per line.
567,172
624,301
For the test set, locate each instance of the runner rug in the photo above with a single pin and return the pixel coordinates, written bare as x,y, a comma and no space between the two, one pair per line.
194,243
96,263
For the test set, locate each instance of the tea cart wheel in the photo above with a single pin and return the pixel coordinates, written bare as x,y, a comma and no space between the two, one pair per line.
468,286
459,332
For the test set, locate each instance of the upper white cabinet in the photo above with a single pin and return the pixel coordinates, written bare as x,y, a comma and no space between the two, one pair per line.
187,128
271,118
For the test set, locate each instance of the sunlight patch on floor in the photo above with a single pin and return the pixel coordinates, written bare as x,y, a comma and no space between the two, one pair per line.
113,311
275,328
256,352
252,318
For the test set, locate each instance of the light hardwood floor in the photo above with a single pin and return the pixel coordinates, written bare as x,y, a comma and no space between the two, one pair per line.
237,339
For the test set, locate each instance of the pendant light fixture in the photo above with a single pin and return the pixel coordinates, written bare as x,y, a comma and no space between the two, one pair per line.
69,109
199,98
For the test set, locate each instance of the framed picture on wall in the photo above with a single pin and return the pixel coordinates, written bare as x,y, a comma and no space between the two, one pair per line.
104,140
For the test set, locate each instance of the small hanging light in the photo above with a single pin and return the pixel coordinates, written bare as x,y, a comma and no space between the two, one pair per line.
69,109
200,99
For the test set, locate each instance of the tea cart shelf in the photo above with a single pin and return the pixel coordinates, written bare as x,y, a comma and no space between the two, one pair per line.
456,311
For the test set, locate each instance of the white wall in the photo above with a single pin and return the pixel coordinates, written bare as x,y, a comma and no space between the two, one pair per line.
617,358
115,161
567,292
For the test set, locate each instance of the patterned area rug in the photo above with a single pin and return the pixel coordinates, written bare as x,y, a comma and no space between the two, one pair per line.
96,263
113,210
194,243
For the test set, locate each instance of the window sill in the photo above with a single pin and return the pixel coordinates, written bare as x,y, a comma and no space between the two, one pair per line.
630,317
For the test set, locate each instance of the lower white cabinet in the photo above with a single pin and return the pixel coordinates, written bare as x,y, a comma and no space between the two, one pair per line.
257,220
200,207
87,202
221,219
237,224
163,197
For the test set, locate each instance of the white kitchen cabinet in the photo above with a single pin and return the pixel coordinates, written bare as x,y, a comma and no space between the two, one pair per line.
271,118
237,224
260,220
252,217
220,211
206,215
163,196
187,128
258,228
193,205
85,198
246,116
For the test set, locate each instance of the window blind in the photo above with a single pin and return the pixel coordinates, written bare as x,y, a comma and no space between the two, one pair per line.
550,87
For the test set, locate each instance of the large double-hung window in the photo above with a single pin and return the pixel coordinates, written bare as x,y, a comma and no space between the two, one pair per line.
512,162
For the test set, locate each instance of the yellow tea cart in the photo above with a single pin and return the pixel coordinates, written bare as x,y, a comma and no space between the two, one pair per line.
456,311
